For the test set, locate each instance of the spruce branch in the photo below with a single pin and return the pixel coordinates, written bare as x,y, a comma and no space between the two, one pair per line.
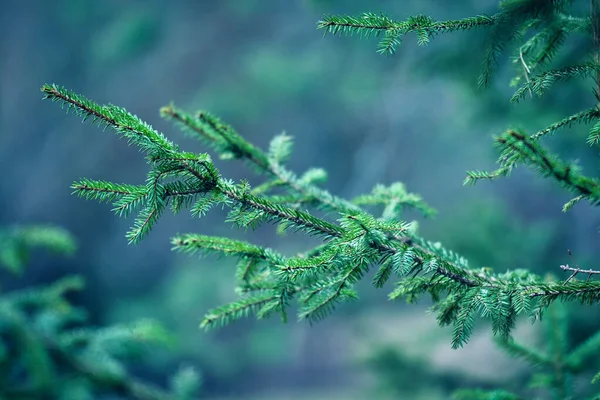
351,246
131,127
370,24
167,160
531,355
579,355
583,292
474,176
357,242
222,137
121,384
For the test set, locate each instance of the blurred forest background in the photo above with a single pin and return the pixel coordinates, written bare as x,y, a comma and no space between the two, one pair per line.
262,66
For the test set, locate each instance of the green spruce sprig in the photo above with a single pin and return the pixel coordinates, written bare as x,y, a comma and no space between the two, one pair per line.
370,24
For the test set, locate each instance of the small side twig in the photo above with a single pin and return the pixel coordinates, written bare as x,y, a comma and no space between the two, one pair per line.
577,270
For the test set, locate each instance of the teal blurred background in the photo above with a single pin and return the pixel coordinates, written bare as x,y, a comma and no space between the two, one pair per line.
262,66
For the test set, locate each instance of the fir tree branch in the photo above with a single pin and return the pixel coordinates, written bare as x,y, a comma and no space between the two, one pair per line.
511,23
203,178
372,24
39,323
350,247
543,46
161,150
549,39
120,120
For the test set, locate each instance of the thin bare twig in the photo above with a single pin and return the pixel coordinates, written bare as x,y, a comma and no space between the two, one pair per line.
526,71
577,270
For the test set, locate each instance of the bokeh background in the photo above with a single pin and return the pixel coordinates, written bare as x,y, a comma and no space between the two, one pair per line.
417,117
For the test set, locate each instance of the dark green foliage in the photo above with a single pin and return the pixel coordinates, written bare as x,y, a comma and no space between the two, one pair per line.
47,351
353,240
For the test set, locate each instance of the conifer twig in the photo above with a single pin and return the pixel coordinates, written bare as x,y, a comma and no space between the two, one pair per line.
221,132
424,27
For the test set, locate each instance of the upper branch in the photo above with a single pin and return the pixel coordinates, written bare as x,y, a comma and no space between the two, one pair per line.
424,27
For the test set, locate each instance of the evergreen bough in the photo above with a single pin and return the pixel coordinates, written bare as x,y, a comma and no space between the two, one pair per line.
356,240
